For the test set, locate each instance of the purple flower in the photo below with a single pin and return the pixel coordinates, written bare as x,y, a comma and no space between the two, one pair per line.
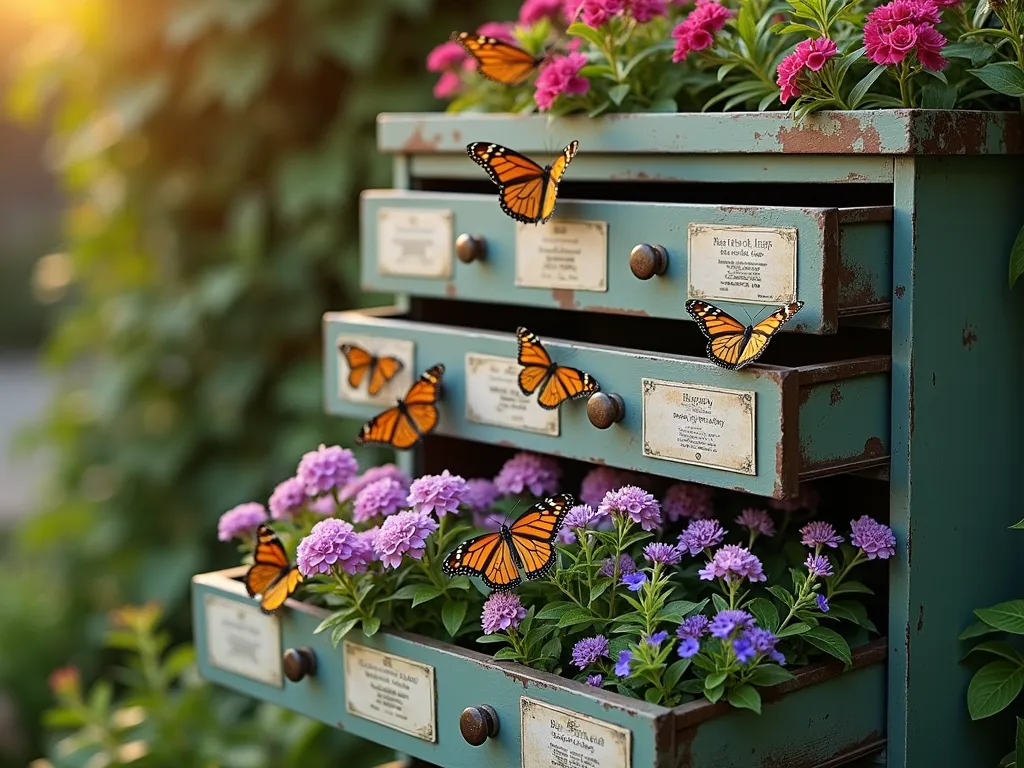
635,502
600,481
820,534
626,566
326,469
372,475
872,538
288,498
528,472
763,642
401,534
370,536
689,647
666,554
744,649
633,581
480,495
733,563
565,536
818,566
757,521
656,639
622,665
325,506
807,498
241,521
694,626
379,499
580,516
502,611
331,543
595,680
588,650
728,621
440,494
700,535
822,603
690,500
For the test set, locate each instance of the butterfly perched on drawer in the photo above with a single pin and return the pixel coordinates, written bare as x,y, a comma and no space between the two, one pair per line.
527,545
553,383
415,415
362,364
526,191
271,575
731,344
497,60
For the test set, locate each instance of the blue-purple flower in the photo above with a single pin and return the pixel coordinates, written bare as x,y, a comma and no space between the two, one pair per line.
326,469
403,534
622,665
763,642
287,499
728,621
634,502
688,647
502,611
333,543
524,472
744,649
241,521
694,626
379,499
626,566
701,535
440,494
822,603
733,563
480,495
633,581
588,650
872,538
577,518
818,566
757,521
688,500
595,680
656,639
820,534
666,554
599,481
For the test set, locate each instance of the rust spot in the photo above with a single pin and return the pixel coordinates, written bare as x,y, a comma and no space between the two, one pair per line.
835,133
835,396
900,290
969,337
920,617
457,136
873,448
967,133
450,291
565,298
908,656
417,142
597,460
933,379
856,177
619,311
910,421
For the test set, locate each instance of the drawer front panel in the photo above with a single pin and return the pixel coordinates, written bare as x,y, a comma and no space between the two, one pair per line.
844,256
771,434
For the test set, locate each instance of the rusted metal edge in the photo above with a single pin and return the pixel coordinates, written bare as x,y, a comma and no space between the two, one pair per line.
787,451
820,373
829,223
828,469
873,745
864,214
697,712
878,308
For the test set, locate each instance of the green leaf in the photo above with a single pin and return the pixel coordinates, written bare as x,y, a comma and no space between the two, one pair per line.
497,637
993,688
506,654
663,47
555,610
652,695
981,14
848,61
831,642
618,93
854,588
714,694
599,589
452,614
719,602
765,612
745,697
1007,617
1018,526
998,648
1018,751
1003,77
974,50
977,629
575,617
939,96
370,626
675,673
424,593
769,674
858,91
797,628
587,32
1016,269
408,592
782,594
715,679
342,629
666,104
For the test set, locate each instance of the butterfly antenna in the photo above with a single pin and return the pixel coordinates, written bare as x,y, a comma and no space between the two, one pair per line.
505,521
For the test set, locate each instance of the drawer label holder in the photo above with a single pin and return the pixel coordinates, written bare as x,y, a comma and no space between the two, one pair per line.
413,242
705,426
559,738
390,690
753,265
242,640
566,255
493,397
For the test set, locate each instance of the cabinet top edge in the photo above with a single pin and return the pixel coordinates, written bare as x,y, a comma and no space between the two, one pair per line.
866,132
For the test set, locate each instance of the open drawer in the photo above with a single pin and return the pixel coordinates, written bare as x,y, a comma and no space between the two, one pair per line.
838,261
760,430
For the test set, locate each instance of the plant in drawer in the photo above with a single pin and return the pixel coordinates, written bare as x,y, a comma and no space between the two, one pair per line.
664,600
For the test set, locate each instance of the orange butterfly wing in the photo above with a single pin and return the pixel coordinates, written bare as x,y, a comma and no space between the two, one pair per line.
489,558
271,575
416,415
557,383
535,360
554,176
359,363
497,60
526,191
762,333
384,371
533,534
731,344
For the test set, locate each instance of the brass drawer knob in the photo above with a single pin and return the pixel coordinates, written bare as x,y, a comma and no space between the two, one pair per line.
605,409
478,724
470,248
298,663
646,261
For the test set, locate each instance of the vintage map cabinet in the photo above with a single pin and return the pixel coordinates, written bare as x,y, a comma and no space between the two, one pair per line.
903,370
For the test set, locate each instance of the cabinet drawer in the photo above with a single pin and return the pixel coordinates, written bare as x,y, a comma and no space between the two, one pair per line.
760,430
822,717
838,261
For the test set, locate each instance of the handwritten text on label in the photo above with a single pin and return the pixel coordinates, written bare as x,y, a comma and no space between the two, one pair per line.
743,264
559,738
390,690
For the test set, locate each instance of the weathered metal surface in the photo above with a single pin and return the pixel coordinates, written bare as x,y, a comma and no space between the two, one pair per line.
881,132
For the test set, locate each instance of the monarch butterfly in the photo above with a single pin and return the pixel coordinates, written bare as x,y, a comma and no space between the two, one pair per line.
731,344
402,426
360,362
497,60
557,383
271,575
526,192
527,545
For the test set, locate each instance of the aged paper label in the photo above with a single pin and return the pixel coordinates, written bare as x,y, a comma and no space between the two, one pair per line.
572,255
745,264
414,243
706,426
493,397
390,690
558,738
380,347
241,639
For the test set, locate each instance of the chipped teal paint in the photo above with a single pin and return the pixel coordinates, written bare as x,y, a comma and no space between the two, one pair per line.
820,280
696,735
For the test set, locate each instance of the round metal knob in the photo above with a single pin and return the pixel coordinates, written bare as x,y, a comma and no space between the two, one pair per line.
605,409
298,663
646,261
478,724
470,248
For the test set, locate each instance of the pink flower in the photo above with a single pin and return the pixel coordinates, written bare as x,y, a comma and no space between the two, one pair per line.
560,76
901,27
697,31
818,52
808,55
929,44
447,85
448,55
533,11
500,30
786,77
598,12
645,10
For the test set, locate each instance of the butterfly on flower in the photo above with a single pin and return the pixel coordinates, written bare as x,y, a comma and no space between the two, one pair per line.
361,363
527,545
526,191
271,575
497,60
553,383
415,415
731,344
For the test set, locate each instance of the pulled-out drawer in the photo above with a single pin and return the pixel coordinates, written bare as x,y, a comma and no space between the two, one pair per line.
632,258
760,430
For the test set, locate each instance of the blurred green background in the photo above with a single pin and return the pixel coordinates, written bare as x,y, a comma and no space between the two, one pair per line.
179,186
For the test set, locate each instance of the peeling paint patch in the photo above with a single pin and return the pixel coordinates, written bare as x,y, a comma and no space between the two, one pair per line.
450,291
969,337
920,618
835,396
417,142
900,290
835,133
565,298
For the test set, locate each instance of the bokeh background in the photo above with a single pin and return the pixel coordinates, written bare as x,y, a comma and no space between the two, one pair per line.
179,185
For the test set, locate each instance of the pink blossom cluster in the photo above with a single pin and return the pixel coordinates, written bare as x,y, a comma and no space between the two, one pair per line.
697,31
594,13
808,55
895,30
561,75
533,11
